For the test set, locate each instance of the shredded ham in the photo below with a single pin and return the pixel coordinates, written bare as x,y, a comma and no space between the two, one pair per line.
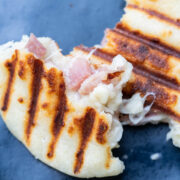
89,84
102,76
35,47
78,72
84,78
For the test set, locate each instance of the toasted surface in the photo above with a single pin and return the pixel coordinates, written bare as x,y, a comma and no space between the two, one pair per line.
166,7
152,25
167,97
148,37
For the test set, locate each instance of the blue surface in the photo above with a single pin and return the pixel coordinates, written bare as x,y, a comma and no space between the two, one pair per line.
70,23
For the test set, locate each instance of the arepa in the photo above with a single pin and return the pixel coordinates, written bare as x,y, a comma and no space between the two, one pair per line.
148,36
52,105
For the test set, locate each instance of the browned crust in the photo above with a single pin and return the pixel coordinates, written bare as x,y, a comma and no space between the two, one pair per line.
113,75
45,105
85,126
21,100
136,51
71,130
101,132
58,123
164,100
11,66
159,78
37,72
150,41
145,85
51,78
157,14
21,71
108,160
143,56
153,84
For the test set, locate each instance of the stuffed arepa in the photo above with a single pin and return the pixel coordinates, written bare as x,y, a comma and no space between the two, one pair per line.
65,116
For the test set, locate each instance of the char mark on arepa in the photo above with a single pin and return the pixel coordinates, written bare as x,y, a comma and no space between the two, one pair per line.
59,119
37,73
11,66
85,127
150,41
157,14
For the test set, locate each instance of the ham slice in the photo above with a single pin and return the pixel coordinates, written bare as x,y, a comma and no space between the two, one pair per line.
78,72
103,76
81,77
35,47
89,84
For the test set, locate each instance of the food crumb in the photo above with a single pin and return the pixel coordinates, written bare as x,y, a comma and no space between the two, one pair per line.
155,156
20,100
125,156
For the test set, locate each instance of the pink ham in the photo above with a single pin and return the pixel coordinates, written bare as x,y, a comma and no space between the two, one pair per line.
35,47
103,76
81,78
78,72
92,82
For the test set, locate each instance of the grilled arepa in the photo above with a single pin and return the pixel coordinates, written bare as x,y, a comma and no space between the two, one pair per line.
148,36
64,109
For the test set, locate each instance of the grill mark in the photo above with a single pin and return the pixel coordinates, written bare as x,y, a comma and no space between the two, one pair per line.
59,119
141,70
11,66
159,78
51,78
85,126
152,42
113,75
169,112
162,97
156,14
101,132
37,72
137,51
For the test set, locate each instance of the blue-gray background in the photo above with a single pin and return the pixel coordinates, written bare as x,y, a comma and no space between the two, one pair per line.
70,23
